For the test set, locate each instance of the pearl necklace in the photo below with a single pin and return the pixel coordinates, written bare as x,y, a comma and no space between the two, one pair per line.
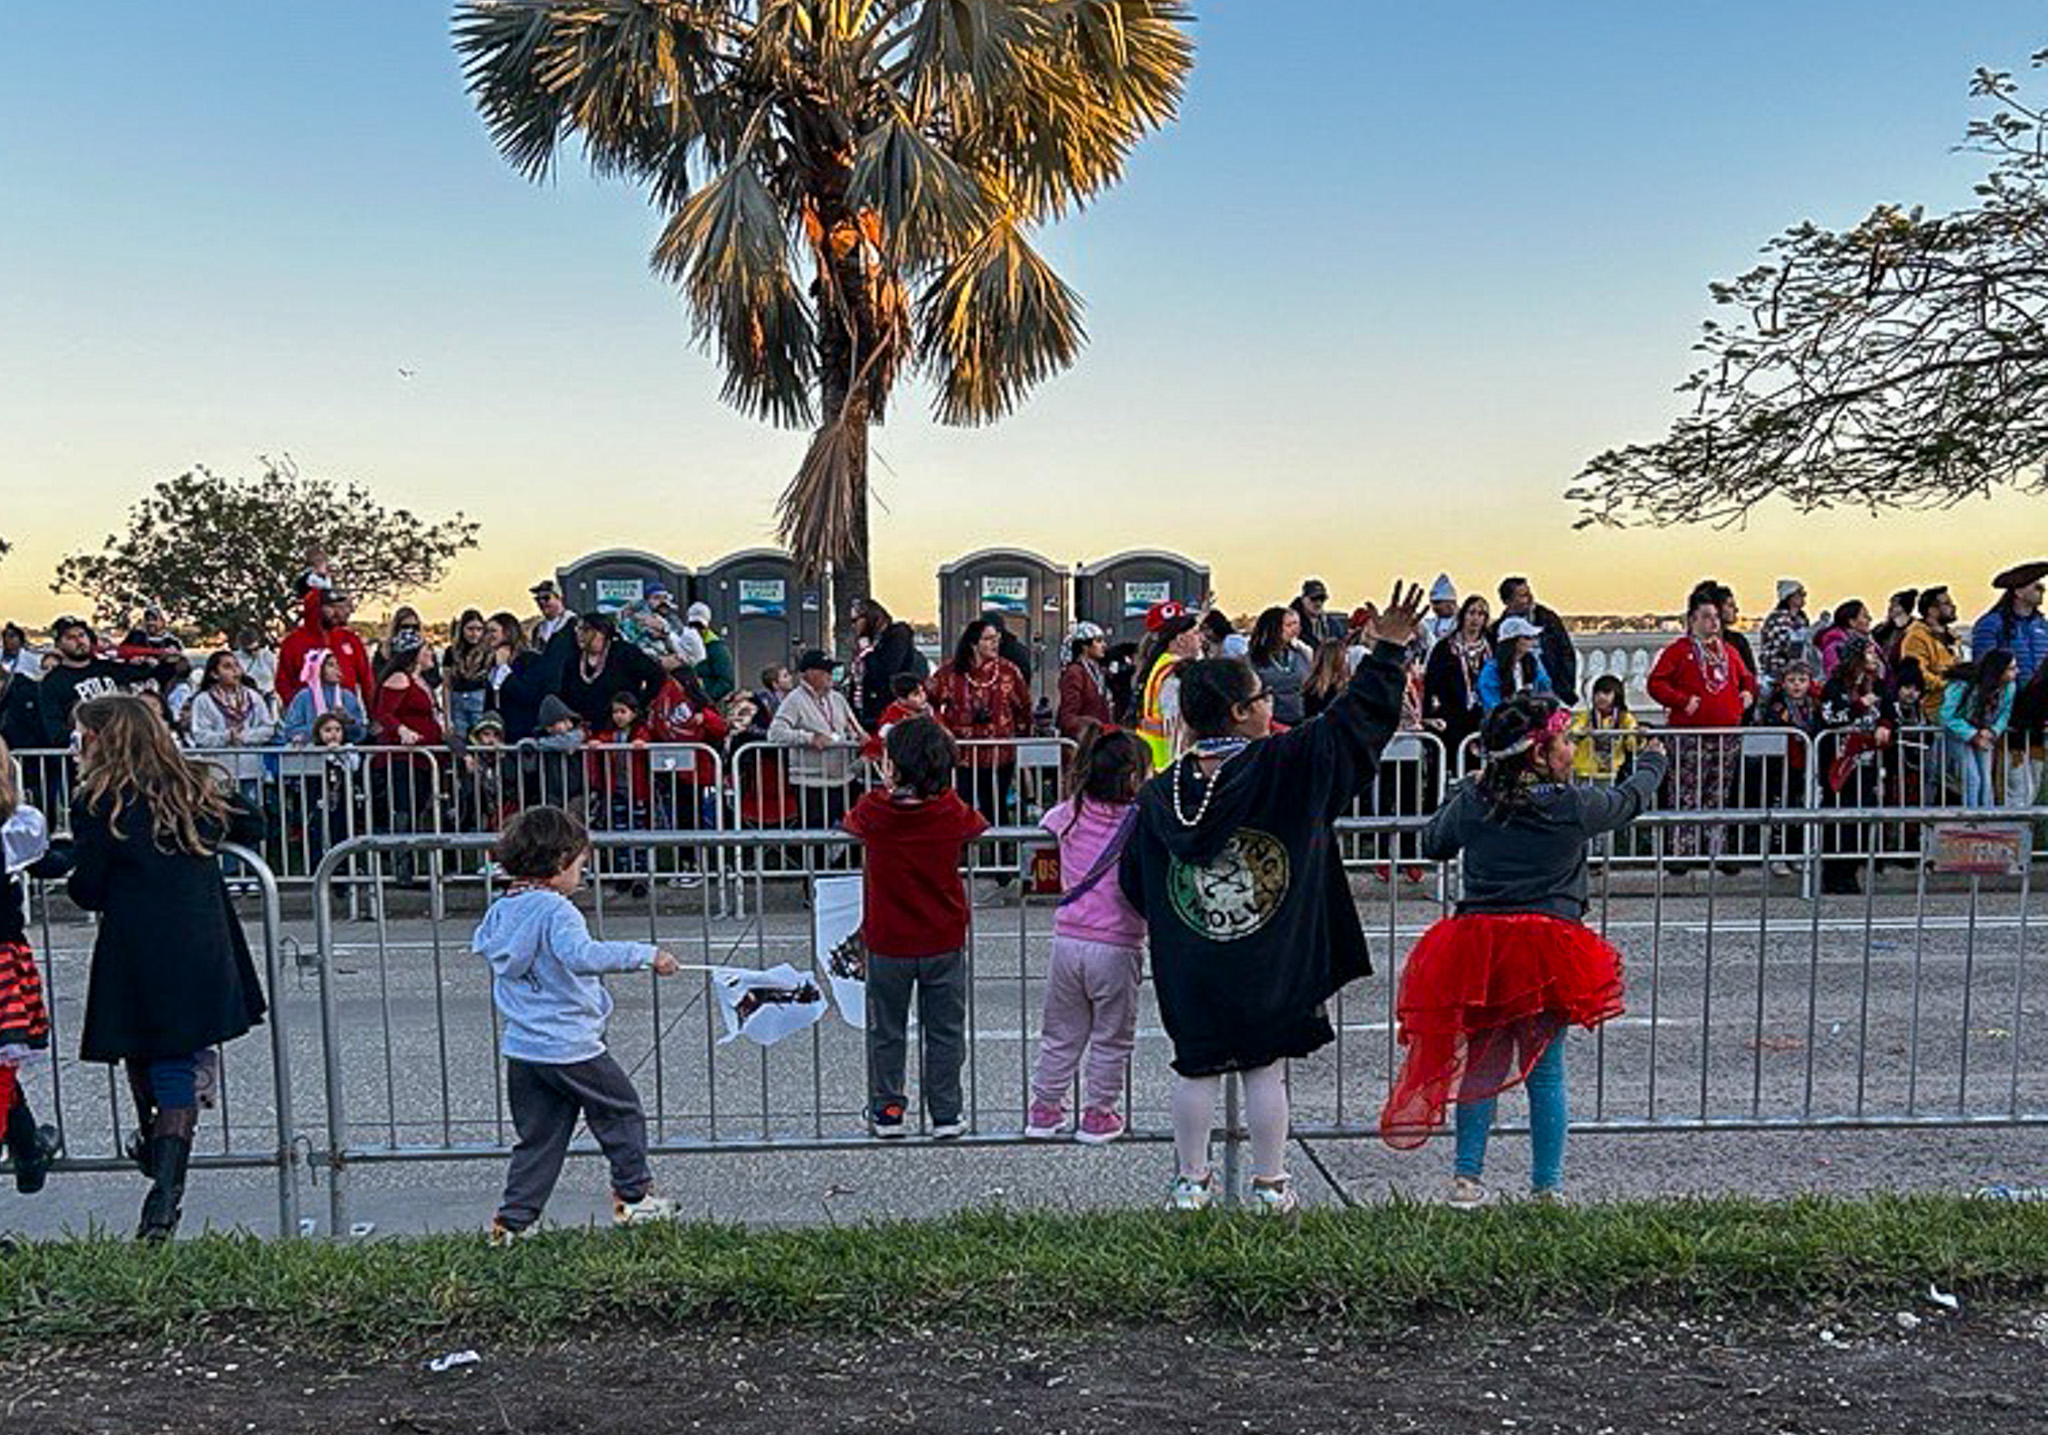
1224,747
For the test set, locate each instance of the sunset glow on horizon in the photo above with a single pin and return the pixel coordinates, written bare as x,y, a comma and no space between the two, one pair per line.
1363,313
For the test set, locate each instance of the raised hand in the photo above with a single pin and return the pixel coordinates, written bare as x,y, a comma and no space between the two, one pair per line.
1401,619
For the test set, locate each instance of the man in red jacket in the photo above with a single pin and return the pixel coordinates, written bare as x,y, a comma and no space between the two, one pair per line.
323,624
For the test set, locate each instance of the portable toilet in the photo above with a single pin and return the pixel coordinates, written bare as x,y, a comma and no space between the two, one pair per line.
606,582
1028,591
760,602
1116,593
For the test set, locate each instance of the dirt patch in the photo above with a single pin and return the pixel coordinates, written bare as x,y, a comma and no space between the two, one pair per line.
1976,1372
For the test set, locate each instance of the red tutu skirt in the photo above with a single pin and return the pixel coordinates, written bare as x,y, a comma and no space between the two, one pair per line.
1480,1000
24,1021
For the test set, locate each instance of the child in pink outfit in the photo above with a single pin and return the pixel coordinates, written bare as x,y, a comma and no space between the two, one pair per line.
1091,989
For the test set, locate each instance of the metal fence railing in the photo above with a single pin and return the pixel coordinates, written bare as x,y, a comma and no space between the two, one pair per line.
1750,1004
1753,1002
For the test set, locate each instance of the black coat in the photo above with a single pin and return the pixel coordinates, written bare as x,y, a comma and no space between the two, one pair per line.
21,713
626,670
1447,698
894,652
171,970
1250,918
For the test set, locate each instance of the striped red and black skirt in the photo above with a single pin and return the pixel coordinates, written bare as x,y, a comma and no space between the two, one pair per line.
24,1020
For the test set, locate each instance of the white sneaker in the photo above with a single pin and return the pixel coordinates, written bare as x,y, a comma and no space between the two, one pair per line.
647,1209
1467,1194
1190,1194
502,1235
1274,1198
949,1130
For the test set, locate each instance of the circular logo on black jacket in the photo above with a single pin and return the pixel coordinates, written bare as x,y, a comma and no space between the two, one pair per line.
1237,892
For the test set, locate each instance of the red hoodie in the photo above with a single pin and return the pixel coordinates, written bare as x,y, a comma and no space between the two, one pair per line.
310,636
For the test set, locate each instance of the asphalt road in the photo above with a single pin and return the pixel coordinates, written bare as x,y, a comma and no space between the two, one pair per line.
1744,1009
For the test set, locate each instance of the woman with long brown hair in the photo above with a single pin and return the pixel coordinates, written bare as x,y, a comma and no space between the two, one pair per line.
466,673
171,974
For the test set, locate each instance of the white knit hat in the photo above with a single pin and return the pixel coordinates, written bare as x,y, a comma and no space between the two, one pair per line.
1443,590
1788,586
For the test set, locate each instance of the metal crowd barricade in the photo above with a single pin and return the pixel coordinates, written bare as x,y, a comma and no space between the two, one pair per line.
252,1096
1749,1007
1411,781
1713,770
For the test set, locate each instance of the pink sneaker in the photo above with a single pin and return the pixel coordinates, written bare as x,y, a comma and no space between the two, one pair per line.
1099,1126
1045,1120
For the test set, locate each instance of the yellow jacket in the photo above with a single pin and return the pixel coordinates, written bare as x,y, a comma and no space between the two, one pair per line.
1601,751
1936,655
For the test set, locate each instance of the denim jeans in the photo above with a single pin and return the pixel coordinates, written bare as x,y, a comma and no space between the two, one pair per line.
463,711
1548,1118
1975,764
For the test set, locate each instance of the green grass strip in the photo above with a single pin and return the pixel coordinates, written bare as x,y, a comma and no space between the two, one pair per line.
998,1270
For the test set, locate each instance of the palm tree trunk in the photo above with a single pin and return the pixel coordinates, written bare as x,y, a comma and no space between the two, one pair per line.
850,570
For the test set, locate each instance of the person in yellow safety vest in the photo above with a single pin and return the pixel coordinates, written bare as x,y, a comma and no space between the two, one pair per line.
1172,635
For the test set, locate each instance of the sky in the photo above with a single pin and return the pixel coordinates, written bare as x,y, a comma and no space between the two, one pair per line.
1364,311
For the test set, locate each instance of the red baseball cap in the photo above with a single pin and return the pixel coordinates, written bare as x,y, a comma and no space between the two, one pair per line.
1160,614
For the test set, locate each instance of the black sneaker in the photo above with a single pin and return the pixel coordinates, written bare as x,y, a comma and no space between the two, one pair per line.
885,1123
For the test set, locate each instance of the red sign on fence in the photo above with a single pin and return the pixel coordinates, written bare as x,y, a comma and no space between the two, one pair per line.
1977,850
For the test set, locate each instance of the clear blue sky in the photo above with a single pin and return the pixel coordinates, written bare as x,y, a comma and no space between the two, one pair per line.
1399,269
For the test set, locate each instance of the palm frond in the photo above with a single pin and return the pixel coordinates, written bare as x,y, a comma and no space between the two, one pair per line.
993,324
1136,54
926,203
505,45
639,82
728,249
966,47
1108,72
817,516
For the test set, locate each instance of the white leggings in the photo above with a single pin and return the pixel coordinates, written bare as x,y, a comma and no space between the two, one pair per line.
1265,1114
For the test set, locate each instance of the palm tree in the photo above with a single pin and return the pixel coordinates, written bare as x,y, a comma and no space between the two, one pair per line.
898,150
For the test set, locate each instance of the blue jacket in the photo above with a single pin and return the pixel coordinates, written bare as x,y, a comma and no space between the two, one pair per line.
2027,641
544,976
1489,682
1955,701
298,718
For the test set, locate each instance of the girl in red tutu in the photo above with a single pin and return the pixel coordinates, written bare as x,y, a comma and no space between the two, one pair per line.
1487,993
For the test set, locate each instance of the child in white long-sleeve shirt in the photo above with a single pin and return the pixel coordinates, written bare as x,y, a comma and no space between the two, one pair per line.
546,971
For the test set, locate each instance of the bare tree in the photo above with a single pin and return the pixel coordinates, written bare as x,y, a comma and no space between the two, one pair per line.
1899,364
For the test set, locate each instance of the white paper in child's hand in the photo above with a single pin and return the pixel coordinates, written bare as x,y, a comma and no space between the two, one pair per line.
765,1006
836,946
24,839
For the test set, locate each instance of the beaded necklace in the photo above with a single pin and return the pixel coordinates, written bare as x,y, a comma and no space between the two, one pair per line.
1713,663
1224,748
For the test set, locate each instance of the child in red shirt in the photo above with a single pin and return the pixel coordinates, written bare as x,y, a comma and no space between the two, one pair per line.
915,925
909,700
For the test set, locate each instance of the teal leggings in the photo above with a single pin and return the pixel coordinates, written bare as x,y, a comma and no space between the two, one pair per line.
1548,1118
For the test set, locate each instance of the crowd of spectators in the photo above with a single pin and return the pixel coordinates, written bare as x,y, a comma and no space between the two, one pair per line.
539,706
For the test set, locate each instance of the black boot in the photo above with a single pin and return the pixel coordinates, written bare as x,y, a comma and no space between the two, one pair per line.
170,1152
31,1148
137,1148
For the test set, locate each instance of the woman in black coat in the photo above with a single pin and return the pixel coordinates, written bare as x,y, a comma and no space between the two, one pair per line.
172,976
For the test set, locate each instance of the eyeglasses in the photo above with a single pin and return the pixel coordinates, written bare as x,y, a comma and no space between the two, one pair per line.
1263,695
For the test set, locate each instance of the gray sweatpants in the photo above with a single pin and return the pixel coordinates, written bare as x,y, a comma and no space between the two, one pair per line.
941,987
546,1100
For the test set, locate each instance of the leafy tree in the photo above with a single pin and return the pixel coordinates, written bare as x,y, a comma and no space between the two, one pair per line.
898,150
1898,364
220,553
